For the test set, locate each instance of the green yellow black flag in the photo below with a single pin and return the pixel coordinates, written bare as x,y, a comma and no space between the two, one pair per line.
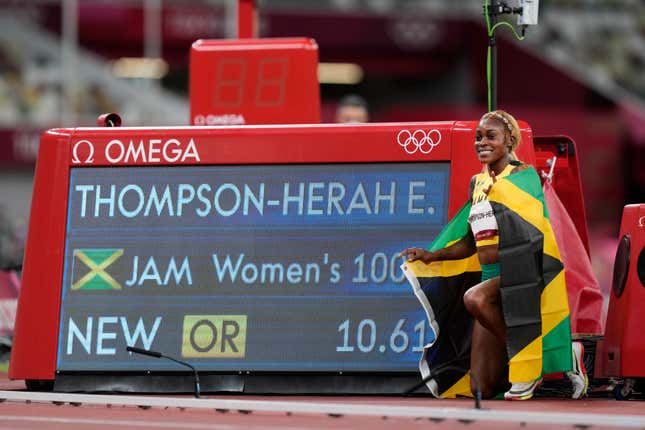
97,260
534,297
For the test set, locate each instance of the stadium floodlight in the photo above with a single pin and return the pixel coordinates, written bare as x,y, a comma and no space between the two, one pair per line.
529,12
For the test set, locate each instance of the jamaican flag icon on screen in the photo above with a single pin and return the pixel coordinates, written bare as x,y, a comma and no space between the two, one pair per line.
534,296
97,261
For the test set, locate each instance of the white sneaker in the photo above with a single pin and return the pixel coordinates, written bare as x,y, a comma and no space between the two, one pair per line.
522,390
578,376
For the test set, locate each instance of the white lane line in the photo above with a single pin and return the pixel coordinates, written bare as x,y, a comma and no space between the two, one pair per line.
109,422
579,419
145,423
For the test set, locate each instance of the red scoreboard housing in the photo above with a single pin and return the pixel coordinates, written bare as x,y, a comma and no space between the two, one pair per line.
67,327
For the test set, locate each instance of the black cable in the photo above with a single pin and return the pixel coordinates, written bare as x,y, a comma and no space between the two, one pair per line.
160,355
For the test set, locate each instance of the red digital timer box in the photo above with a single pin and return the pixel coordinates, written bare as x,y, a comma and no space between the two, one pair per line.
254,81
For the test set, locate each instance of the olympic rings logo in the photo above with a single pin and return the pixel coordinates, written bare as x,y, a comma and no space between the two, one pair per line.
418,140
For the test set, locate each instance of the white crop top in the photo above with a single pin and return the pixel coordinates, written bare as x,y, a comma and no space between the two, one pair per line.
482,218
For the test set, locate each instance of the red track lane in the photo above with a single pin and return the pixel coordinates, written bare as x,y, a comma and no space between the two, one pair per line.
24,415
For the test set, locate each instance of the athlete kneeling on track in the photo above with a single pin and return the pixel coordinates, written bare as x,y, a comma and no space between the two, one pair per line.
518,318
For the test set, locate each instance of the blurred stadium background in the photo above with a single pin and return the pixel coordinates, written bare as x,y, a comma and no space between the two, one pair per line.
580,72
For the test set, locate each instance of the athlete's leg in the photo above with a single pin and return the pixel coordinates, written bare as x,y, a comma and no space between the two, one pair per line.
483,302
488,359
488,362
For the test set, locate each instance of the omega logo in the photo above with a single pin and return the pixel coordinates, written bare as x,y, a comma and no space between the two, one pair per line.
82,144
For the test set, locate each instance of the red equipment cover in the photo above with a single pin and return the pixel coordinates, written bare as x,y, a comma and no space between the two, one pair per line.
621,351
583,290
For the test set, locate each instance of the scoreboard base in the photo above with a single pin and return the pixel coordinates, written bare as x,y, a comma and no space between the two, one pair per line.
262,383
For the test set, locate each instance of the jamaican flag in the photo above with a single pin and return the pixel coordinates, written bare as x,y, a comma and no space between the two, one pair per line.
533,290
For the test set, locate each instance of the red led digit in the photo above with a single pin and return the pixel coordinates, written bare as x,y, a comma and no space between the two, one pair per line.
229,87
272,76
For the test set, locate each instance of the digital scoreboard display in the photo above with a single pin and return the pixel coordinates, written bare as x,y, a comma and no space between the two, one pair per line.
281,267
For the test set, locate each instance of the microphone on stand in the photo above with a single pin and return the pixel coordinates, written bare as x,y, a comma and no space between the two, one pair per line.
160,355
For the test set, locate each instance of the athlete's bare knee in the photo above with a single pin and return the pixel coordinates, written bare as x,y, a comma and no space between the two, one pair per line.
474,300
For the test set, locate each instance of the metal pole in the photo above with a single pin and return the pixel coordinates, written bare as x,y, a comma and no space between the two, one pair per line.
230,19
152,34
69,54
152,29
492,42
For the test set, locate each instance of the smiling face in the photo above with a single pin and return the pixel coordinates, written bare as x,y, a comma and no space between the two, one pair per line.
491,144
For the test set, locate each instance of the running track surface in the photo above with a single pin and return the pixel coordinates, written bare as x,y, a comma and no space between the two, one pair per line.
24,410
